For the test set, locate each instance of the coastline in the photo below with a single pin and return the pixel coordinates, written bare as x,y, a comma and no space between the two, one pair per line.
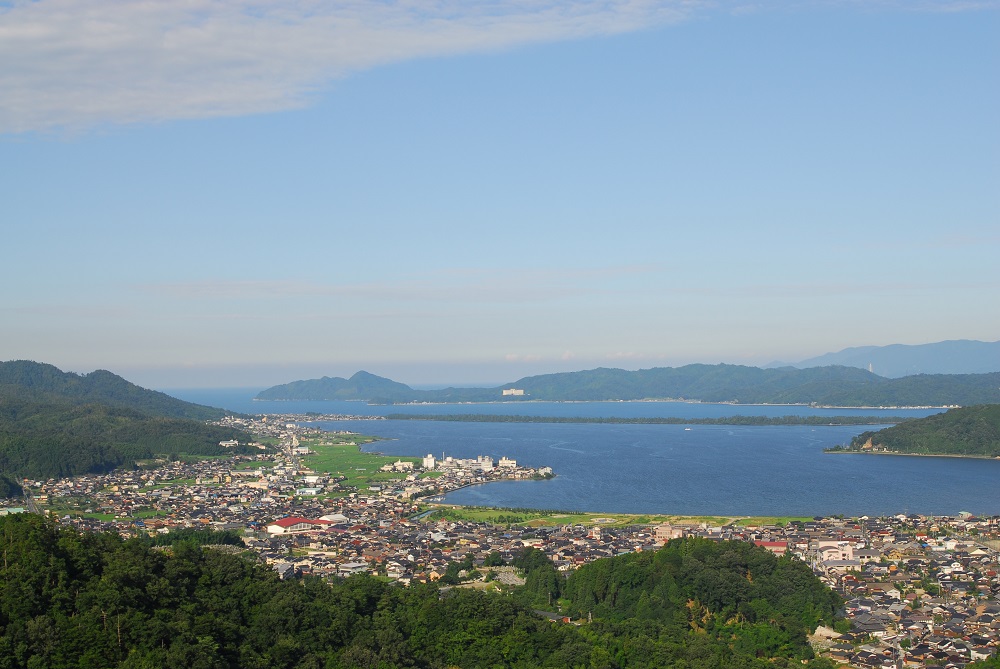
916,455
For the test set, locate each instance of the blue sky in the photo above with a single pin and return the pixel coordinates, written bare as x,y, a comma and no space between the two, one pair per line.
242,194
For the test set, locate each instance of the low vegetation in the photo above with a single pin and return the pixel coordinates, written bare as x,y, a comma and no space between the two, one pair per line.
341,455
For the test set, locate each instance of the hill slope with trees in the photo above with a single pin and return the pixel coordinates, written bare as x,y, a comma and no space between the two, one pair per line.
41,382
54,424
970,431
693,598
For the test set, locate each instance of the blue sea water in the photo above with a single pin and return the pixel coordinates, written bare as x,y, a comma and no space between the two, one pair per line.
676,469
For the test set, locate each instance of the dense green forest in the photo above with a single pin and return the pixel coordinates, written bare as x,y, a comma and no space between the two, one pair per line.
971,430
40,382
45,440
827,386
727,420
96,600
9,487
728,600
55,424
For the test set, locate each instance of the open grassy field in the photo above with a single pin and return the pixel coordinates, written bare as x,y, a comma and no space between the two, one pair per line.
340,455
769,520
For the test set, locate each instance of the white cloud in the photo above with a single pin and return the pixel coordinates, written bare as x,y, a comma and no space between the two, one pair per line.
70,64
521,357
627,355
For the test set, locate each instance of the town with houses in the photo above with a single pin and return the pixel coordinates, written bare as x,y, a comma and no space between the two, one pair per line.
918,591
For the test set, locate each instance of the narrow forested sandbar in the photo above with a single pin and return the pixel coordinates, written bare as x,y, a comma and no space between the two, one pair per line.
727,420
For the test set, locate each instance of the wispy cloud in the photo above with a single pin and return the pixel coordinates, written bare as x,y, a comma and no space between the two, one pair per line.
72,65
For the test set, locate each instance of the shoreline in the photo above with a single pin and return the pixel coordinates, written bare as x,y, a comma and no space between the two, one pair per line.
915,455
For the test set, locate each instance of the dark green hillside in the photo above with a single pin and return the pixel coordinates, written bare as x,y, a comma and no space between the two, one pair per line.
707,383
971,430
44,440
95,600
41,382
55,423
923,390
9,487
732,600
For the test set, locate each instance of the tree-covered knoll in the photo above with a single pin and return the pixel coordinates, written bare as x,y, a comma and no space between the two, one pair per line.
731,600
41,382
45,440
971,430
96,600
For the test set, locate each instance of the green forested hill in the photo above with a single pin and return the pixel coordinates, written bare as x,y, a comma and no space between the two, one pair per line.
54,423
39,440
37,381
96,600
830,386
971,430
739,597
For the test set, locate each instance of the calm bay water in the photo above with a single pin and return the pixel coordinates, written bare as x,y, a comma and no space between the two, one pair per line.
694,470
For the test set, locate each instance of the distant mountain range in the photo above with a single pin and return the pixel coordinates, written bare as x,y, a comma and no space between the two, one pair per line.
829,386
961,356
55,423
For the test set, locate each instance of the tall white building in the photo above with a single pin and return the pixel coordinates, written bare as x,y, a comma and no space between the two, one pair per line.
429,461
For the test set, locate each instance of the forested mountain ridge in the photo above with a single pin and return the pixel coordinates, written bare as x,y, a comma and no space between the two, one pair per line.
828,386
96,600
55,424
973,430
42,382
